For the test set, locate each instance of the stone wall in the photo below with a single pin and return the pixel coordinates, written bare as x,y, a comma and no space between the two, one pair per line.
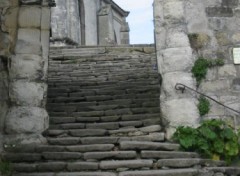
175,21
25,28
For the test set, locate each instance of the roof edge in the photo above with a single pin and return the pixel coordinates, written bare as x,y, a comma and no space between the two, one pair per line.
117,8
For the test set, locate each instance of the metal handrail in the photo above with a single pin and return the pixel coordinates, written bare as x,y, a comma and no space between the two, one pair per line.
182,87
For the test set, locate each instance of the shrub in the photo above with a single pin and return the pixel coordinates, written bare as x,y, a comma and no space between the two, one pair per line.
213,138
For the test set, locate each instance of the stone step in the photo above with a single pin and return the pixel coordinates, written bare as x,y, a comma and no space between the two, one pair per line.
99,173
110,155
167,154
35,149
188,162
129,164
142,145
176,172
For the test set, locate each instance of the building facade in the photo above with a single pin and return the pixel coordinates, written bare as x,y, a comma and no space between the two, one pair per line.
88,22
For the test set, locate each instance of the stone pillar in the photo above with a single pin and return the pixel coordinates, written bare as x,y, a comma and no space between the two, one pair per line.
125,34
175,61
27,117
105,26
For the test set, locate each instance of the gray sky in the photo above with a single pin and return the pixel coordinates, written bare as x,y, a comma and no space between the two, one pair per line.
140,20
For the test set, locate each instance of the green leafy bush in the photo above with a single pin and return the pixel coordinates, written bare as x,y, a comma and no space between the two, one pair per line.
203,106
214,139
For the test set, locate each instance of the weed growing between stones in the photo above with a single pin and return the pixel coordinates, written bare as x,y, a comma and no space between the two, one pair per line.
5,168
213,139
201,66
198,40
203,106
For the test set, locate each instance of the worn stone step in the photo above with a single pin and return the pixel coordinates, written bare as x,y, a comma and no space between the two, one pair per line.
167,154
88,132
188,162
176,172
66,126
61,155
99,173
56,166
110,155
143,145
90,148
64,141
130,164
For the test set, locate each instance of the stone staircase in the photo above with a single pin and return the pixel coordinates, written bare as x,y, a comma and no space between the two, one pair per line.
105,120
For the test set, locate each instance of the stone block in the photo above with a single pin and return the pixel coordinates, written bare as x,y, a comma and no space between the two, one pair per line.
181,112
219,11
230,3
10,18
177,59
27,93
61,155
171,79
26,67
173,11
133,164
26,120
215,86
160,33
29,17
227,71
51,166
110,155
28,41
46,18
80,166
177,37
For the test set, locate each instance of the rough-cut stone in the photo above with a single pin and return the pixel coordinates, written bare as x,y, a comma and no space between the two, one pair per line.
88,132
29,17
26,120
27,93
61,155
181,112
177,38
28,41
174,11
26,67
167,154
182,56
177,172
51,166
81,166
134,145
90,148
133,164
110,155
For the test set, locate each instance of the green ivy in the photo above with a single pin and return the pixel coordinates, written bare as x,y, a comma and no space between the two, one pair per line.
213,138
203,106
201,66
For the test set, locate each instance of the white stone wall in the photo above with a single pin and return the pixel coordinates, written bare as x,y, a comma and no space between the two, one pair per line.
23,69
174,62
174,21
